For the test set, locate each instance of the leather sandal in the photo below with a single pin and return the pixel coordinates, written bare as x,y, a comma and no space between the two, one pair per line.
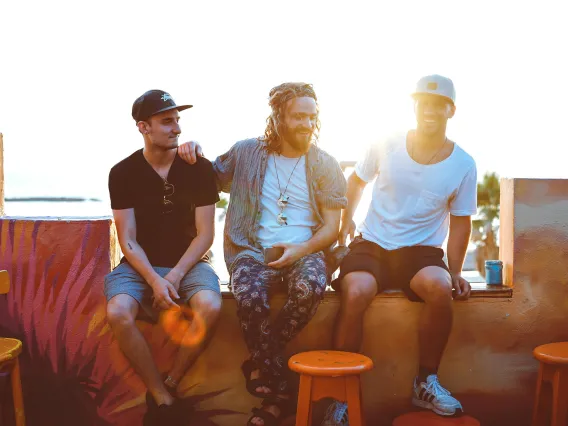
247,368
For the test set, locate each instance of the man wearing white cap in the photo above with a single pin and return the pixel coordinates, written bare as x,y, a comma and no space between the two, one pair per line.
426,185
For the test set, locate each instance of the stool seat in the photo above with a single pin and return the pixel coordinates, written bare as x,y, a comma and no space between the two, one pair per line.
552,353
428,418
9,349
330,363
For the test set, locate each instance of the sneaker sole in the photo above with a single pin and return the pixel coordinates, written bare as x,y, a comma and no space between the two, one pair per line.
430,406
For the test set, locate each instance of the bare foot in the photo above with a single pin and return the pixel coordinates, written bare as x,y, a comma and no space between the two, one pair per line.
261,389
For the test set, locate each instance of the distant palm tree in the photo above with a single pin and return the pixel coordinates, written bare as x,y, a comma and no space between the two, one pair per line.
488,200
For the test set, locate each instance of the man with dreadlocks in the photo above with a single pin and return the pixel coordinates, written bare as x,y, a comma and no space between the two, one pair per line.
284,213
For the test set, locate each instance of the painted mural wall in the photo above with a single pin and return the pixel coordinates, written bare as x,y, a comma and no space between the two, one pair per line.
74,373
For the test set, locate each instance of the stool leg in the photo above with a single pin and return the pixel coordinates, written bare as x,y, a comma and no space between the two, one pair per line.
304,411
559,398
538,400
354,403
17,395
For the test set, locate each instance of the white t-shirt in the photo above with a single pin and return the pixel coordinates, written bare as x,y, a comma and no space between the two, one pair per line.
299,211
411,202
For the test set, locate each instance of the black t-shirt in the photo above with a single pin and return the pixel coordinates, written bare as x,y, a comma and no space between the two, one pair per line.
164,231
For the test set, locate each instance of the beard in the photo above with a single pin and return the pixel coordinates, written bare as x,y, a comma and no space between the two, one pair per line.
297,140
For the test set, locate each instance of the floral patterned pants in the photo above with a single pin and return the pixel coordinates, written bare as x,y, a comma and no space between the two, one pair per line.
266,339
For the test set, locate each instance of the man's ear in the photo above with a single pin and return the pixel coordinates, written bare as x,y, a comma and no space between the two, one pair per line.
451,110
143,127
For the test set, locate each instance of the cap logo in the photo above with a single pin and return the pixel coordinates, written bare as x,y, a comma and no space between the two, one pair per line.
432,86
166,97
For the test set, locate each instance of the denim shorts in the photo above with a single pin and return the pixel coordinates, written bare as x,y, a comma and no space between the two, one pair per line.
125,280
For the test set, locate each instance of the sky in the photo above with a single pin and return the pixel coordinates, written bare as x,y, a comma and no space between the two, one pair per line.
70,70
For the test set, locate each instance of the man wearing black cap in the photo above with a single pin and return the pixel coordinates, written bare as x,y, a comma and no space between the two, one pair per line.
164,210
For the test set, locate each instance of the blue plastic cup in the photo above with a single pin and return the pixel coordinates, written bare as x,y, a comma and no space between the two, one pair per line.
494,272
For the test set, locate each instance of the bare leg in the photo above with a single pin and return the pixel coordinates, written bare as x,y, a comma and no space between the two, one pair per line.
357,292
434,285
206,306
121,314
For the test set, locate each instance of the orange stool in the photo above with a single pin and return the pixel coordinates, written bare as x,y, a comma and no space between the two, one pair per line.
554,370
428,418
9,351
330,374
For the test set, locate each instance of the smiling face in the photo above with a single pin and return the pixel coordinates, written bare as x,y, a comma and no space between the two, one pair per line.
299,123
162,130
432,114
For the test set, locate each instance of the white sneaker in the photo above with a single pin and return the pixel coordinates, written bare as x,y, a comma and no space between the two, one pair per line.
336,415
433,396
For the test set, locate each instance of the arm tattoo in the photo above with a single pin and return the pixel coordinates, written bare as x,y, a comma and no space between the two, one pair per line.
129,246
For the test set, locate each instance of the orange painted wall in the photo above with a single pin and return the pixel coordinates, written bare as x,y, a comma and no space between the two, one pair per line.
56,307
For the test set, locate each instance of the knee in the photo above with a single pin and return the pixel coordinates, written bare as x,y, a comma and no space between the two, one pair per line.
357,295
436,290
208,305
120,316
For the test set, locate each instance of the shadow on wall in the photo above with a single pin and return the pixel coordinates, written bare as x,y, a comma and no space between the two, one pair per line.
72,370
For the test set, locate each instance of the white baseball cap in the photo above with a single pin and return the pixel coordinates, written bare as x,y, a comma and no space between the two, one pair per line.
436,85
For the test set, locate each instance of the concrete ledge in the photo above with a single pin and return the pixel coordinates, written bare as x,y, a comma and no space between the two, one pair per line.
477,291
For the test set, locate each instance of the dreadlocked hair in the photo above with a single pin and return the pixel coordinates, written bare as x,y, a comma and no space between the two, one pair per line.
277,99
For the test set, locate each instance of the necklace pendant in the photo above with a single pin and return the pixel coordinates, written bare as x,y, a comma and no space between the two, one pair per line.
282,219
283,201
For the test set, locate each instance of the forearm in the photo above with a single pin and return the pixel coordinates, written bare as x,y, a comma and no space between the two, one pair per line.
322,239
457,247
137,258
194,253
355,187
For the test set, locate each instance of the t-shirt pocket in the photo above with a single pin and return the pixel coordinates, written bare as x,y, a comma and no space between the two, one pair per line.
429,204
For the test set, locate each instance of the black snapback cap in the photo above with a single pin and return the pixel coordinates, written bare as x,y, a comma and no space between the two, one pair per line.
153,102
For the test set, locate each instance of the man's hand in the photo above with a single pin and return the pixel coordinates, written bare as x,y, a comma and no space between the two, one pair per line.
347,228
174,277
189,151
461,286
164,294
292,252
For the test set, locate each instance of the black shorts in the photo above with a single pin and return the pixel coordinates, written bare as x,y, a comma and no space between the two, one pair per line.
392,269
